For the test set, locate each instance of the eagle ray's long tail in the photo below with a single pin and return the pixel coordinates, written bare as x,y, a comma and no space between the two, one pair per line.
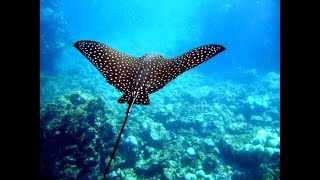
119,137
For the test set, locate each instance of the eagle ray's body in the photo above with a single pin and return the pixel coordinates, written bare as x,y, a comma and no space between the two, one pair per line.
136,77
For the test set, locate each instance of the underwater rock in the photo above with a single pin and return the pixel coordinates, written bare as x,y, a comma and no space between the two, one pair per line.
263,146
248,147
190,176
270,152
260,139
210,163
173,163
149,151
191,152
169,173
145,126
142,165
201,174
260,120
267,138
240,118
209,145
71,171
189,157
272,80
76,99
127,173
226,147
164,112
129,153
208,177
237,128
158,134
113,175
209,142
132,141
258,102
234,151
150,168
276,151
272,143
187,160
262,132
71,137
258,148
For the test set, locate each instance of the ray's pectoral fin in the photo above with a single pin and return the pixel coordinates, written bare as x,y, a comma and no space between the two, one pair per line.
115,66
176,66
195,57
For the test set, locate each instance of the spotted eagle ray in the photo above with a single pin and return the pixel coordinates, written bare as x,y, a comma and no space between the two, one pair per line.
138,77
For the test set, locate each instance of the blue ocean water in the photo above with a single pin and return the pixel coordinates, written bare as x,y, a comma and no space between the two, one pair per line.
219,120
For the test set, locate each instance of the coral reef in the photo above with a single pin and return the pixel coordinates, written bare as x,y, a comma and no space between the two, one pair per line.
191,130
75,138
